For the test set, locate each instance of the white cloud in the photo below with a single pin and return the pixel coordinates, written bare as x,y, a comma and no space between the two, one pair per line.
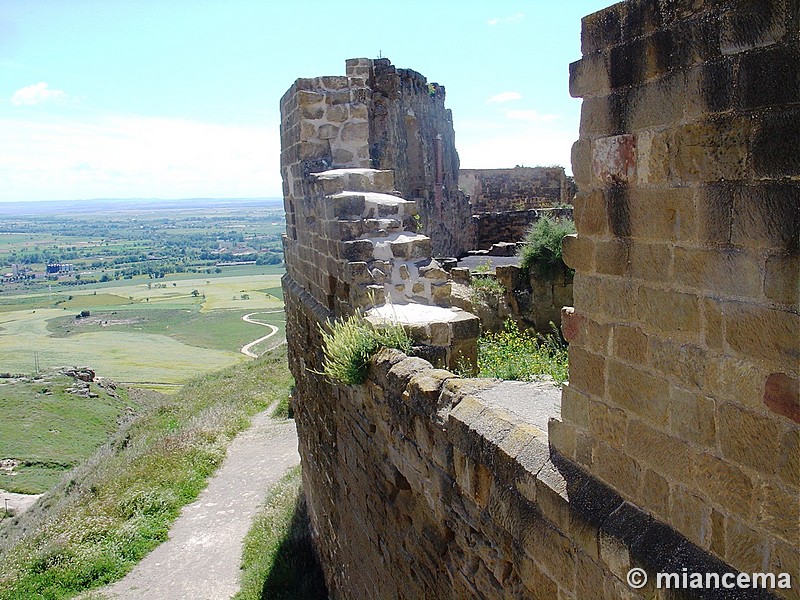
36,94
134,156
530,116
504,20
504,97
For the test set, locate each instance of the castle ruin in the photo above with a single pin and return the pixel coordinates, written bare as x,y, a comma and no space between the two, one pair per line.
675,446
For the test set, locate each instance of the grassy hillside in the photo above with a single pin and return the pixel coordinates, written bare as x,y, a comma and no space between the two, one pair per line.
95,525
47,430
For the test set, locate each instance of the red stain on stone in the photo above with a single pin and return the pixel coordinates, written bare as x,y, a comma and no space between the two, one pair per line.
614,158
782,395
571,323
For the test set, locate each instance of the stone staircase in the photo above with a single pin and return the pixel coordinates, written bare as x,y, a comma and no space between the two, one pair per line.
387,257
387,264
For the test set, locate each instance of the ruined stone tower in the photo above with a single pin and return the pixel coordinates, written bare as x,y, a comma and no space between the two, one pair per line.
675,447
378,116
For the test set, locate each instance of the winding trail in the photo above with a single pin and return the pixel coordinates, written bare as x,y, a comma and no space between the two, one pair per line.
246,348
201,558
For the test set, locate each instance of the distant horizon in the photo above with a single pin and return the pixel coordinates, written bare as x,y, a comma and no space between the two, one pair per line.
141,199
11,208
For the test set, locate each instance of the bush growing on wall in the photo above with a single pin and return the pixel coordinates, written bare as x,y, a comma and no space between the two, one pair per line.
350,343
541,252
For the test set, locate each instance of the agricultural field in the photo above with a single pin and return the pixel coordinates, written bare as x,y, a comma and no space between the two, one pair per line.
155,293
151,337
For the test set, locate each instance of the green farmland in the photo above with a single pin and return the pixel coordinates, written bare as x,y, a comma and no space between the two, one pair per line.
138,334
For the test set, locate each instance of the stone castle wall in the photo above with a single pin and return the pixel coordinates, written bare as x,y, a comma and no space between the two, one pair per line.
378,116
506,202
685,336
520,188
676,443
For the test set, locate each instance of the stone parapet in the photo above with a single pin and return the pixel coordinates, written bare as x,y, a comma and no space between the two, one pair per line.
430,486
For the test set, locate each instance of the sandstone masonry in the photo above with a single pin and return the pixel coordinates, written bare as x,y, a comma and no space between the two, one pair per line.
685,337
676,443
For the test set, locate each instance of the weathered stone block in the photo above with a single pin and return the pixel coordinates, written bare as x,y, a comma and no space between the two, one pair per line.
713,149
608,424
534,579
464,326
307,98
745,548
346,206
662,453
358,273
752,25
614,299
312,111
750,439
411,249
612,257
574,407
562,437
722,483
655,150
628,63
655,494
763,333
730,378
601,29
619,470
440,294
328,131
336,114
683,363
630,344
782,279
668,311
662,214
587,371
342,157
690,515
589,76
767,216
782,395
614,158
692,417
652,262
778,511
710,87
578,252
712,323
356,250
724,271
775,152
639,393
355,132
657,103
590,213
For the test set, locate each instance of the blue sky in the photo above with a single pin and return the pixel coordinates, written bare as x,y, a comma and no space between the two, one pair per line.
179,98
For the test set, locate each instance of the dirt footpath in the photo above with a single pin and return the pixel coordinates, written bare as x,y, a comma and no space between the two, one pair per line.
202,556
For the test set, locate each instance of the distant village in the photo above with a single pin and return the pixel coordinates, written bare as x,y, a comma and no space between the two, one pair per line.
52,271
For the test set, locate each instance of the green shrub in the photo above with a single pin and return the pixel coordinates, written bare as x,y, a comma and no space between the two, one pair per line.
516,355
486,287
541,252
350,343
